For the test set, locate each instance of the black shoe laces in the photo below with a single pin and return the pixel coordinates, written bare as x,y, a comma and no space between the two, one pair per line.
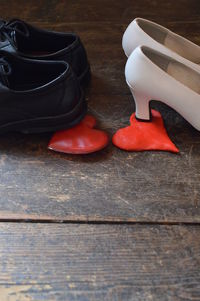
5,68
8,30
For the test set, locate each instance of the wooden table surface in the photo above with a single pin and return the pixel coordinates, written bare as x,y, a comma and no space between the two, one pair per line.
112,225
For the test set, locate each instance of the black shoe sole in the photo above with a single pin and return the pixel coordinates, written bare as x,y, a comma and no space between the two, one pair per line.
85,78
48,124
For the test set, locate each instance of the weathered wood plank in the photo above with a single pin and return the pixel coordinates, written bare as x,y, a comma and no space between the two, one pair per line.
109,185
98,11
88,262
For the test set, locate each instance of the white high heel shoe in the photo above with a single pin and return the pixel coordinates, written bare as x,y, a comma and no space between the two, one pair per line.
152,75
147,33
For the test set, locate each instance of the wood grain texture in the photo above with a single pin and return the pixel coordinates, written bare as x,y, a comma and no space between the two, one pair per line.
112,185
89,262
101,11
99,262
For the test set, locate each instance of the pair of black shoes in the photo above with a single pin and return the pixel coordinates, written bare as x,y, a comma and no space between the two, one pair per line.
41,75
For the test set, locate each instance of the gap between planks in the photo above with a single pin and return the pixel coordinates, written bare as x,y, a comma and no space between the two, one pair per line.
96,222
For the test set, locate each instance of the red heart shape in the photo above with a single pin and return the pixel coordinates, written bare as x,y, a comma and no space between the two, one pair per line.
81,139
140,136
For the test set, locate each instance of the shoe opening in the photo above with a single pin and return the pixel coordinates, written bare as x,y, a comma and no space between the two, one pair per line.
182,73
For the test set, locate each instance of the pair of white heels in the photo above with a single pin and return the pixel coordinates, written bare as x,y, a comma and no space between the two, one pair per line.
162,66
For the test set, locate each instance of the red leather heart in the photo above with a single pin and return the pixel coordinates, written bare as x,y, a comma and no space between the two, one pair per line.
141,136
81,139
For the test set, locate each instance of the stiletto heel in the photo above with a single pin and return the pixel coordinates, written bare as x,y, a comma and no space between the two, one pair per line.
142,108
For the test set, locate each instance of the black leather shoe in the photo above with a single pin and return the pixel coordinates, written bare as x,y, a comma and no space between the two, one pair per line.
16,36
38,96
